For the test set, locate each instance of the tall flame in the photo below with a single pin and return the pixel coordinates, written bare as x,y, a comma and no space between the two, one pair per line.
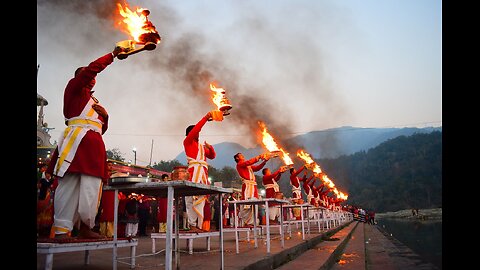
286,158
305,156
272,146
267,139
310,162
218,95
327,181
137,23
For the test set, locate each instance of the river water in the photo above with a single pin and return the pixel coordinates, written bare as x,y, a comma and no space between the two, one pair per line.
423,237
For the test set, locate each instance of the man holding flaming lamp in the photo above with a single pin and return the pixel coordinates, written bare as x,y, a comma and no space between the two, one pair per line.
307,188
323,190
316,195
295,182
80,160
271,189
245,169
197,155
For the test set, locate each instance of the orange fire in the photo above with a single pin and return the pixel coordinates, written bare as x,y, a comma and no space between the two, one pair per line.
267,139
310,162
340,195
137,25
220,100
327,181
218,94
305,156
286,158
272,146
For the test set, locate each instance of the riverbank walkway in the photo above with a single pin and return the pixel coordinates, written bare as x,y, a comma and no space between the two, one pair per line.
352,245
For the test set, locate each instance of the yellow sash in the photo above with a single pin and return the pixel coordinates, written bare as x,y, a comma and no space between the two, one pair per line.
198,176
249,184
72,136
198,164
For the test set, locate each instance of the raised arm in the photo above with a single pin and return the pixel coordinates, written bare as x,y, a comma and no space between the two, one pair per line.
259,166
194,133
298,171
310,179
87,74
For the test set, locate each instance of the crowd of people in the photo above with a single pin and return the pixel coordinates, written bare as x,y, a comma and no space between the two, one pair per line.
140,215
360,214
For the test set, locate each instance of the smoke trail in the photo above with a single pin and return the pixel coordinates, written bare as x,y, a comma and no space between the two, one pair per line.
190,69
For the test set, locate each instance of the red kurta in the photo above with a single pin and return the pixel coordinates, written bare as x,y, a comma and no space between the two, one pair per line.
242,169
271,179
107,205
190,144
294,181
314,190
91,157
207,211
162,209
308,190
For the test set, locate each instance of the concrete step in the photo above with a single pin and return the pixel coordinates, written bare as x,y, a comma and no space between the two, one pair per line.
324,254
354,245
353,255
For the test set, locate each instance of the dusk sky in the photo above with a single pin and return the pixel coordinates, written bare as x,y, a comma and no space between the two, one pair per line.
298,66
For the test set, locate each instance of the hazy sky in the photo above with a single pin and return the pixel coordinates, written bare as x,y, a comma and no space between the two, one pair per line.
298,66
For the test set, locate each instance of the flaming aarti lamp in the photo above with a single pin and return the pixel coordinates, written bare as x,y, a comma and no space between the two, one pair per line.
310,166
274,153
148,40
129,48
220,99
225,105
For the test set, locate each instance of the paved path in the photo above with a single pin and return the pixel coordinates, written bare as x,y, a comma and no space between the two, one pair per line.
354,245
384,252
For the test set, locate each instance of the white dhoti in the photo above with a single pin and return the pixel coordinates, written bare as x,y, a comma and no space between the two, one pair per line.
273,212
296,192
194,205
77,198
131,229
247,211
246,215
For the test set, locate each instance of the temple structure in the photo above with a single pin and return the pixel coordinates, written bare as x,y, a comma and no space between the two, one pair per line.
44,146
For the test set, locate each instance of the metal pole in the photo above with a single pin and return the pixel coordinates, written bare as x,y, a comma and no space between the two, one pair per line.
235,218
220,217
151,152
177,235
281,225
267,215
115,231
168,242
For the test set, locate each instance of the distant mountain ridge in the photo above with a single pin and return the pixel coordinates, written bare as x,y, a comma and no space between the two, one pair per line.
329,143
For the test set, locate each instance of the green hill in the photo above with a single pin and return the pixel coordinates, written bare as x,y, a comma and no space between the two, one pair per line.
401,173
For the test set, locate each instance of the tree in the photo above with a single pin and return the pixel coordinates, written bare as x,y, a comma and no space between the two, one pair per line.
227,175
167,166
115,154
401,173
